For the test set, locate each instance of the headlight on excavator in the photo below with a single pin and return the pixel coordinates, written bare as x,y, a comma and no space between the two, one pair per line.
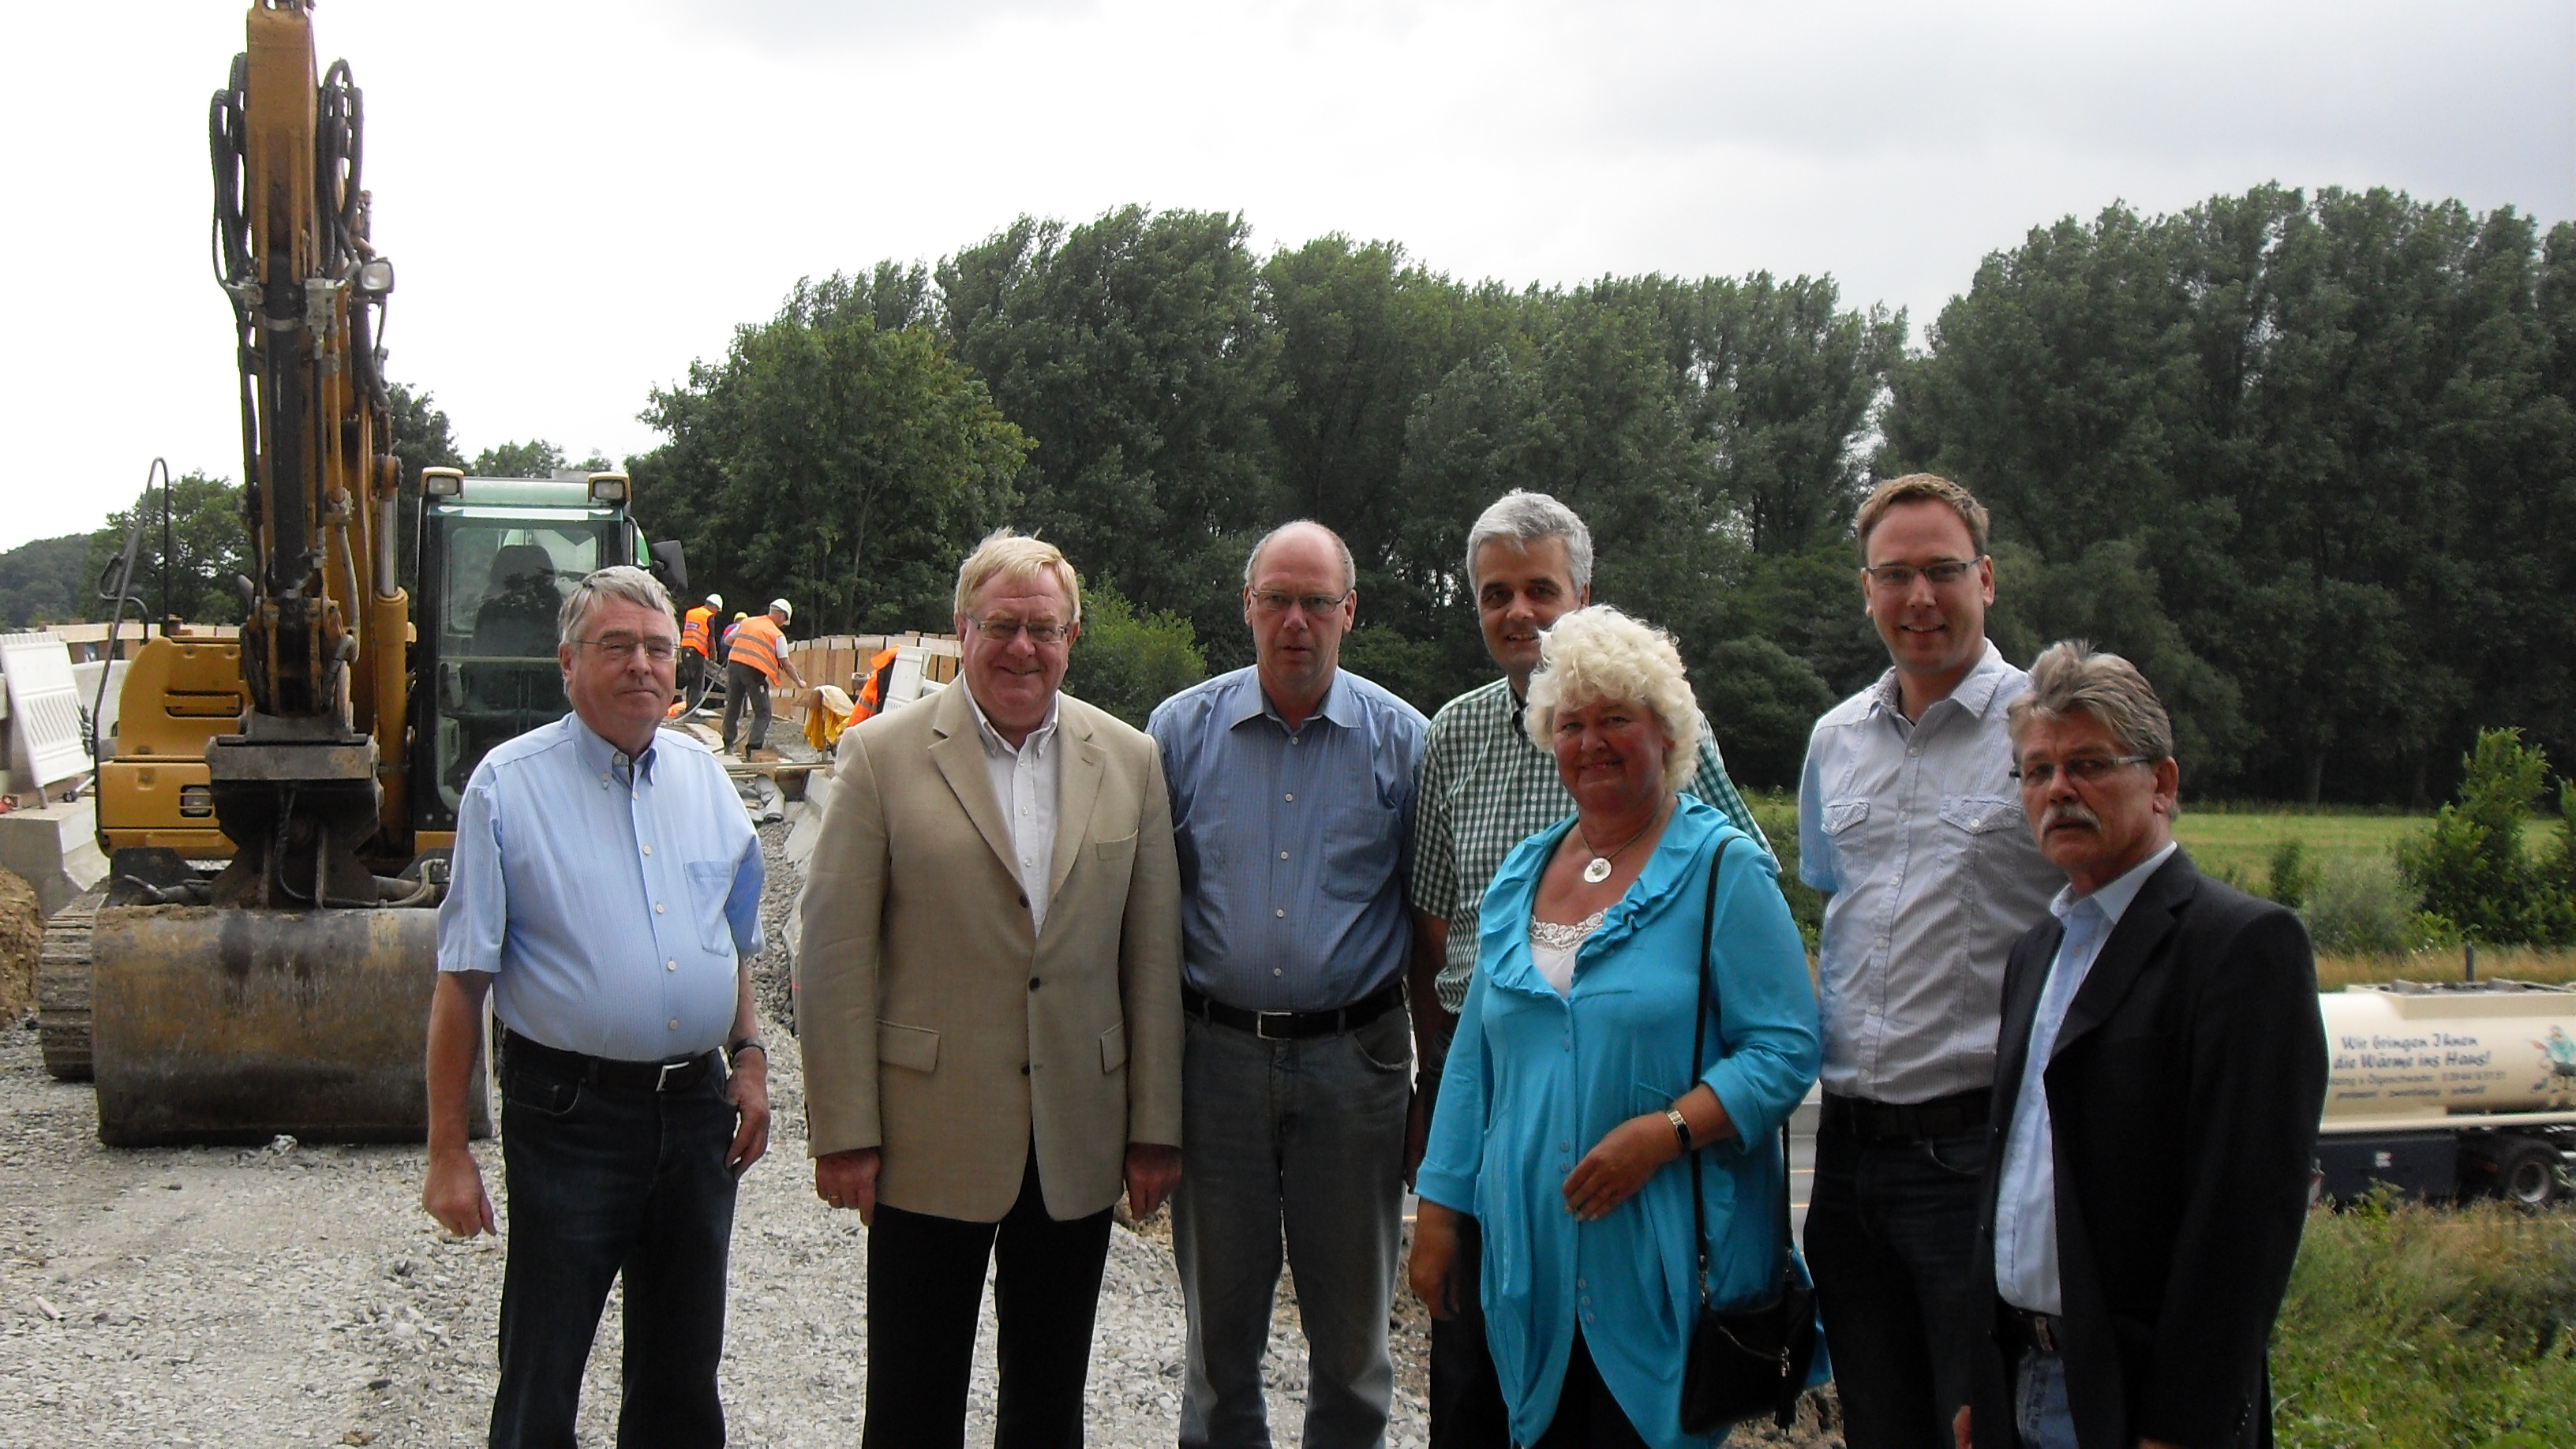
442,482
607,488
376,278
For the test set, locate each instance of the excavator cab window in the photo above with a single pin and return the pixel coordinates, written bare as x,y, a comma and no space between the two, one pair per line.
502,584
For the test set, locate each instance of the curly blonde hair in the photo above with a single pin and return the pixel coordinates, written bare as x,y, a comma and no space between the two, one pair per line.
1598,654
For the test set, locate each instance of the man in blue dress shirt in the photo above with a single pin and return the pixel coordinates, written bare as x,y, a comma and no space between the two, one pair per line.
606,892
1292,793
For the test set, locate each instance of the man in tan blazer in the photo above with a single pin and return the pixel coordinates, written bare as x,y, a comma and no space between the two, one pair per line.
990,989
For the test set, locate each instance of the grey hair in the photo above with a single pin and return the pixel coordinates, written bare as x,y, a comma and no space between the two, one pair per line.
1350,569
624,582
2070,676
1524,518
1597,654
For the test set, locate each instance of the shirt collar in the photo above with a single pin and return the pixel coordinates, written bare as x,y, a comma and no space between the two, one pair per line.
2113,899
597,755
1250,702
992,738
1974,693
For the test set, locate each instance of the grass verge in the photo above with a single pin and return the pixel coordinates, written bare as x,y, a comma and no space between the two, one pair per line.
2411,1327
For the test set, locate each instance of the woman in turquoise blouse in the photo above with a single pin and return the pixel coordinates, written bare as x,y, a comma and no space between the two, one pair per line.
1569,1093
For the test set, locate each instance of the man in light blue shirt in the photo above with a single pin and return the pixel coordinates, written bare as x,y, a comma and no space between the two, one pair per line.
1292,793
605,889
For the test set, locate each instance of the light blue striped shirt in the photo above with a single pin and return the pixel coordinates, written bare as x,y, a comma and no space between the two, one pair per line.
1291,843
2026,1193
610,899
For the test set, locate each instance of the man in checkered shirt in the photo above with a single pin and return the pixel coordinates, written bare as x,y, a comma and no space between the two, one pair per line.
1485,788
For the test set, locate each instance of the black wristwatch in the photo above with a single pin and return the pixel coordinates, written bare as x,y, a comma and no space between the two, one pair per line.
734,1051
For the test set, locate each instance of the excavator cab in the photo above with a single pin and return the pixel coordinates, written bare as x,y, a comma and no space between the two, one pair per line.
498,556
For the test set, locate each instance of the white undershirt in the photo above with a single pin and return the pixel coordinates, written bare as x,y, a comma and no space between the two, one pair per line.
1553,948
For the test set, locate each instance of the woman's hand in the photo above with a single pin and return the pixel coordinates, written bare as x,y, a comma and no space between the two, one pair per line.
1433,1267
1619,1164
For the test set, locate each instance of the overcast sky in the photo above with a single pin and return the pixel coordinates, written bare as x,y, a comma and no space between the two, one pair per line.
581,196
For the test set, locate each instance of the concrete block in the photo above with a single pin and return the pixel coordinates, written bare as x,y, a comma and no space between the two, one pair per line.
54,848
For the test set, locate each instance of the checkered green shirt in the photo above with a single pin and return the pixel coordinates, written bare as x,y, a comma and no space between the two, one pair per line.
1485,788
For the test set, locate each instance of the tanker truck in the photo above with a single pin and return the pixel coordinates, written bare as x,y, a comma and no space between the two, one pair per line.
2449,1090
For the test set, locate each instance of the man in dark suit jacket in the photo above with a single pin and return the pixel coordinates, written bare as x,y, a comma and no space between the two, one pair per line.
2161,1069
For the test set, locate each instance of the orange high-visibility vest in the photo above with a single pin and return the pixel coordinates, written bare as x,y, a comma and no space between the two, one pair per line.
758,643
697,631
871,700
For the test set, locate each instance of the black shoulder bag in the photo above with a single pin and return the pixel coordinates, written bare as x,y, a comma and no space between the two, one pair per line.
1749,1362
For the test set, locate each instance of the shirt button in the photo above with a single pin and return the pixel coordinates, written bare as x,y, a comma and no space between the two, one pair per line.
1292,797
1034,981
648,850
657,908
675,1023
1275,971
1283,915
672,965
1283,855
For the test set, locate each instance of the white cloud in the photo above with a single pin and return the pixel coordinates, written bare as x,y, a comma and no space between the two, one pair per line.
582,196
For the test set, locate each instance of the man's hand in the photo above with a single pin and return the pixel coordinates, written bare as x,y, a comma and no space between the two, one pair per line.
454,1194
849,1180
748,1089
1959,1429
1153,1170
1618,1165
1432,1269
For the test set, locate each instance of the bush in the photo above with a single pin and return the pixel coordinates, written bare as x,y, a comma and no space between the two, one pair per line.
1776,811
2471,868
1128,661
2292,878
2358,905
2409,1326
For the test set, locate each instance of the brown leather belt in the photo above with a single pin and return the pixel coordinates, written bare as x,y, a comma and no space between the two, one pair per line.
1905,1121
679,1074
1294,1025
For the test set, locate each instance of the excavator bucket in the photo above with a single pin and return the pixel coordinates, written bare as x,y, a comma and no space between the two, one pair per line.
229,1025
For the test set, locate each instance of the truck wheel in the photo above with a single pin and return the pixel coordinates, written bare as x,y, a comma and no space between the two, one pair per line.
62,989
2526,1173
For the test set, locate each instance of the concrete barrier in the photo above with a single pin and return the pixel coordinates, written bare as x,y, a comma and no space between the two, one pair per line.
54,848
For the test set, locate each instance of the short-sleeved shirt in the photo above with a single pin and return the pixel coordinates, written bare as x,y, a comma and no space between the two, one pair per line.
758,643
1916,832
612,898
1485,788
1291,841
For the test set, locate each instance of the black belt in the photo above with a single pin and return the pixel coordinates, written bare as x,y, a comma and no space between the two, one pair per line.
2021,1331
1905,1122
679,1074
1294,1025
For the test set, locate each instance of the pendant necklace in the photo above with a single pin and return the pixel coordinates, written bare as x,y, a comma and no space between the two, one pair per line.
1597,870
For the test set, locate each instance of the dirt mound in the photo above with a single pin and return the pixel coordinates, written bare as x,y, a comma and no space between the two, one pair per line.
22,934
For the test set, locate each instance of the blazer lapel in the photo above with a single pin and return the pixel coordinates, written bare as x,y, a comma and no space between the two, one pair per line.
1077,786
959,754
2143,927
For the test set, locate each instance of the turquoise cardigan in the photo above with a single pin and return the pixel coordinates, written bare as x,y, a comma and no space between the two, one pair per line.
1534,1079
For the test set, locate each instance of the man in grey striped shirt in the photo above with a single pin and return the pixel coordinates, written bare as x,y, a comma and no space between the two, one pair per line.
1485,788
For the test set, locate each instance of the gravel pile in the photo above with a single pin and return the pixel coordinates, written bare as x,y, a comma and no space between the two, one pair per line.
298,1295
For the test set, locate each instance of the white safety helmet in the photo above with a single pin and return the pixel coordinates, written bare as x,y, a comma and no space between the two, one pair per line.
782,608
715,601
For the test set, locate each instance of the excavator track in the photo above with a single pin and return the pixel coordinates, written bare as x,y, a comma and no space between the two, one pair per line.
63,986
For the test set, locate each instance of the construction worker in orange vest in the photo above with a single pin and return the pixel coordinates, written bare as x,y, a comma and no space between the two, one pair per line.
697,643
871,700
754,660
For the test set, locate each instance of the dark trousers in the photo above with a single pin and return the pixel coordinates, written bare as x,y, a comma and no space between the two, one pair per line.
925,1285
604,1181
1586,1416
692,672
746,684
1467,1410
1891,1235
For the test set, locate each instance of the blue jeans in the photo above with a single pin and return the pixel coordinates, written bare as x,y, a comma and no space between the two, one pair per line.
604,1181
2039,1402
1891,1237
1303,1139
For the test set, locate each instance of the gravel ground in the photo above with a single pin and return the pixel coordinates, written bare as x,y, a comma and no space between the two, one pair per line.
298,1295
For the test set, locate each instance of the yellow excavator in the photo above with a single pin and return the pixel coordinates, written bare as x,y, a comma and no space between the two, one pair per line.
278,806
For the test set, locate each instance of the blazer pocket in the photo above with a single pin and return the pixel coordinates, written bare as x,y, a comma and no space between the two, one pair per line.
1114,852
916,1047
1113,1047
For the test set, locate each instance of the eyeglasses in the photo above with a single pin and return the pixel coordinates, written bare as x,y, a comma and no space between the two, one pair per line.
624,647
2083,769
1006,630
1897,578
1271,601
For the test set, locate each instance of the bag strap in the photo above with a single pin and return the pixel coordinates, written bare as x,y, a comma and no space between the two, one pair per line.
1699,1039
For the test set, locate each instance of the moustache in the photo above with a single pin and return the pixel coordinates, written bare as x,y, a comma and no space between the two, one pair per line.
2069,813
